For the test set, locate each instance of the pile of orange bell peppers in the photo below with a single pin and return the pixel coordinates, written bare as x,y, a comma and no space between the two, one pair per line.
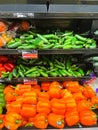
51,103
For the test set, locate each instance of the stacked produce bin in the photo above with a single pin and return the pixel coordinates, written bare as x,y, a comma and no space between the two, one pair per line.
47,65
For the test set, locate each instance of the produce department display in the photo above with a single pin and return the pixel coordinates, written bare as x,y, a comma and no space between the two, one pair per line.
46,104
55,104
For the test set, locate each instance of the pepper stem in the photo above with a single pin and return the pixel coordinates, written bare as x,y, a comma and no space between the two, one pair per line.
17,121
29,124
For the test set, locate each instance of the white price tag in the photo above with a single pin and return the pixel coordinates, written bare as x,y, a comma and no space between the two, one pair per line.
31,54
30,81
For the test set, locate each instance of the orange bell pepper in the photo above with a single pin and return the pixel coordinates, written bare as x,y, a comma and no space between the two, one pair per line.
94,101
43,107
19,99
2,117
72,118
8,88
90,91
85,93
43,96
29,98
55,120
83,105
88,118
11,96
14,106
58,106
55,90
70,104
65,94
21,88
28,110
79,96
13,121
45,86
73,86
36,88
41,121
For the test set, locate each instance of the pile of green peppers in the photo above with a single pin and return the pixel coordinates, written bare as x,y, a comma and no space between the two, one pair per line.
66,40
2,98
47,67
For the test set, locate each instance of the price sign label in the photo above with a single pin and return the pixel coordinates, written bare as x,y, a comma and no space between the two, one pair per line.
19,15
33,54
30,81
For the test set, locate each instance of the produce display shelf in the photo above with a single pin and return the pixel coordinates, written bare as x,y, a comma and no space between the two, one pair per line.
4,51
41,79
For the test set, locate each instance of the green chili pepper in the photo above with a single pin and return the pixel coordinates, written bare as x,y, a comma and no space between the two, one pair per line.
22,67
29,37
72,73
48,46
52,41
11,42
93,45
14,72
14,45
58,66
57,46
10,76
77,73
30,70
68,64
50,36
26,47
62,72
5,74
80,71
44,74
43,38
80,38
69,40
53,74
79,42
61,40
88,72
59,63
20,72
73,41
68,34
67,46
38,42
89,41
31,75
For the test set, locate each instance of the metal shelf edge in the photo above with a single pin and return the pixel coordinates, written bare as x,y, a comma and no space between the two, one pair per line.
51,51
